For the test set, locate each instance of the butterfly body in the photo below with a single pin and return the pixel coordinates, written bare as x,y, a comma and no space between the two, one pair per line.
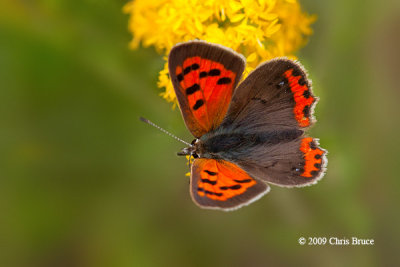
235,145
249,134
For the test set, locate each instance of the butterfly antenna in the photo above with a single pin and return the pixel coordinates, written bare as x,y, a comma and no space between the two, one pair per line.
163,130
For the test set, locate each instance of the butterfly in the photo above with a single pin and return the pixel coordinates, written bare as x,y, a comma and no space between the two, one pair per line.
248,134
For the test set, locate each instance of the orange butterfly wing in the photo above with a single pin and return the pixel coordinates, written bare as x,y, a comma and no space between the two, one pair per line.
204,77
221,184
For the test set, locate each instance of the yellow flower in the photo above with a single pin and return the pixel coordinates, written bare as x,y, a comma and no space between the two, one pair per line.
260,30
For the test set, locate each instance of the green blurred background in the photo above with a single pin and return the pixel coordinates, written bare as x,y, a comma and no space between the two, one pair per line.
84,183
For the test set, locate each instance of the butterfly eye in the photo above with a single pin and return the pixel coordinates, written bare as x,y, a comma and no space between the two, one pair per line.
195,155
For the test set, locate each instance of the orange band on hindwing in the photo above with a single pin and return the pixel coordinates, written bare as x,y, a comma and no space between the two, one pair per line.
313,157
302,97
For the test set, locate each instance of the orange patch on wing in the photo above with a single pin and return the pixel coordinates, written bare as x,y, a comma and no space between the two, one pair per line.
302,108
208,87
222,180
312,156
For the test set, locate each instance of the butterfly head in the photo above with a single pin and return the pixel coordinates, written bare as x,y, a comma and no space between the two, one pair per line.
192,150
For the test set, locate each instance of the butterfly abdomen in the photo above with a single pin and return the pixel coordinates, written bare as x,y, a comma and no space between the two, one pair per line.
232,145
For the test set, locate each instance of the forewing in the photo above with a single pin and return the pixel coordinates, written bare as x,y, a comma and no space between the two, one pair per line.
276,95
220,184
204,77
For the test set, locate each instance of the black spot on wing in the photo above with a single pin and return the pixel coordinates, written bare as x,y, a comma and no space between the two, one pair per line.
225,80
192,89
306,111
243,181
209,192
210,172
236,187
313,145
233,187
179,77
306,93
198,104
214,72
296,72
302,81
208,181
203,74
187,70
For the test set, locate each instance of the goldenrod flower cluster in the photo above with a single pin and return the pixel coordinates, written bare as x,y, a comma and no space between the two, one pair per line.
260,30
